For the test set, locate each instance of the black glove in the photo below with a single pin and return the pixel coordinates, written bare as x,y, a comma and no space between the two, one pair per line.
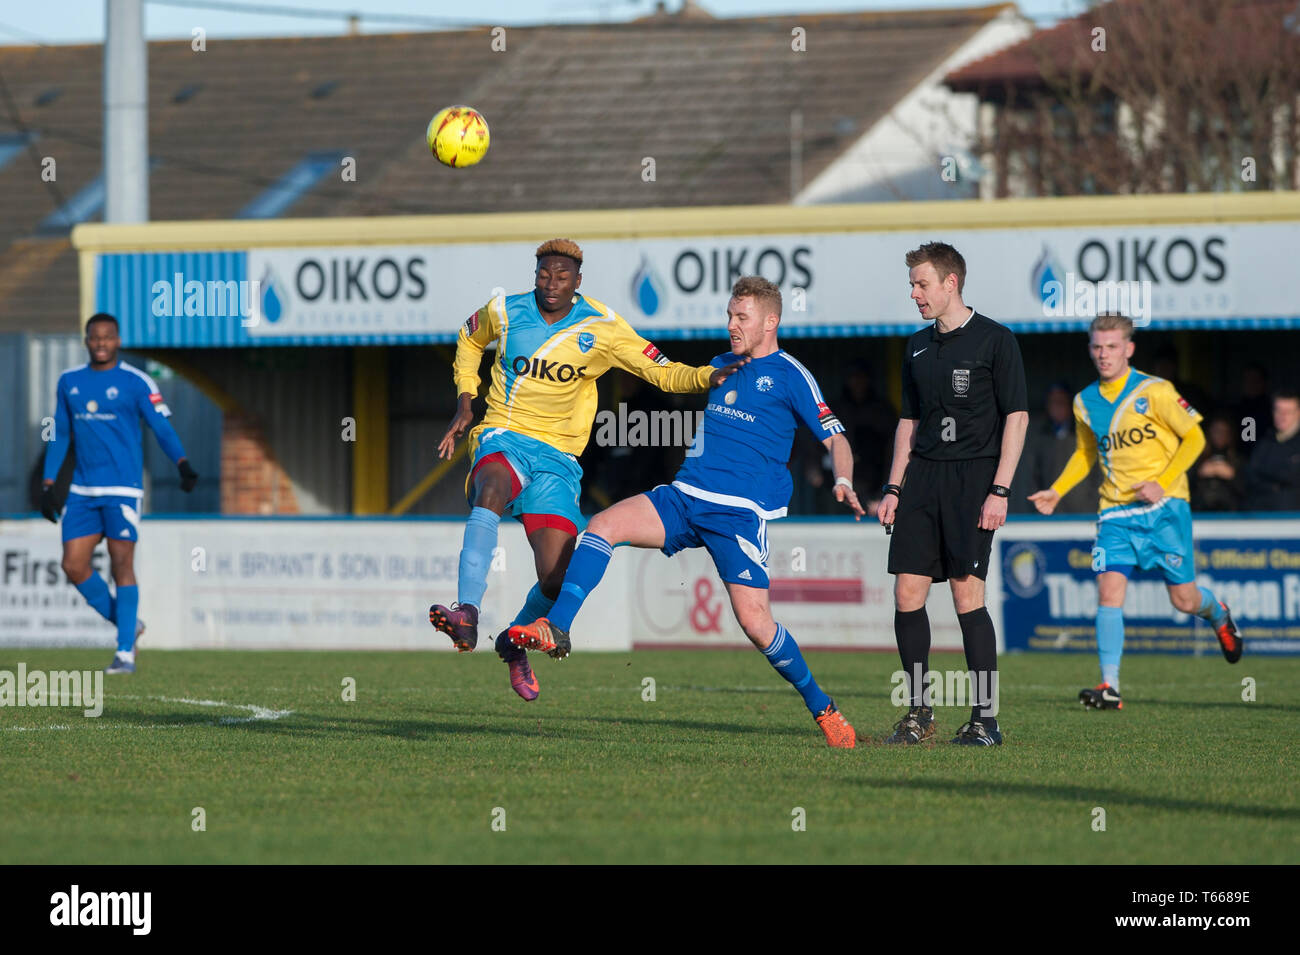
189,476
49,507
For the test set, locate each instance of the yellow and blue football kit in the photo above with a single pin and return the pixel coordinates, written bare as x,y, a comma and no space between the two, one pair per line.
542,396
1138,428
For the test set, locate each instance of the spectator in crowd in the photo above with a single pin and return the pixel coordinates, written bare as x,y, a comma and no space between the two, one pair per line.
1048,446
1255,405
1165,365
869,422
1218,480
1273,476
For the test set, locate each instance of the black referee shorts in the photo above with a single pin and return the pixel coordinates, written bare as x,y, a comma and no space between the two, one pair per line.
936,527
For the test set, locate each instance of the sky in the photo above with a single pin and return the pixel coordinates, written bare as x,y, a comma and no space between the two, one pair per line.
82,21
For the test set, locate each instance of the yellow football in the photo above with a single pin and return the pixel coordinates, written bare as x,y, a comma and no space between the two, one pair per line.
458,136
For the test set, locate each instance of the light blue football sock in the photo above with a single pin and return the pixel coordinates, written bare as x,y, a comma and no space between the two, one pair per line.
96,593
586,567
783,653
536,604
1210,609
128,601
476,555
1110,643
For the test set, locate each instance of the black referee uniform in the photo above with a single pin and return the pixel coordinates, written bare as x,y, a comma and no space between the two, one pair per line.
959,386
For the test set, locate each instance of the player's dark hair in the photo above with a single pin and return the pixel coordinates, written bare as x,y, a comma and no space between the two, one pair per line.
945,259
1286,394
101,317
762,291
565,247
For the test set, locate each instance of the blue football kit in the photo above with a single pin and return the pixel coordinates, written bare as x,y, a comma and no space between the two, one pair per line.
101,411
734,480
735,477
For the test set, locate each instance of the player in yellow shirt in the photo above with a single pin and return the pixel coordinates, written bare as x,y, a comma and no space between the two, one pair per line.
552,345
1144,436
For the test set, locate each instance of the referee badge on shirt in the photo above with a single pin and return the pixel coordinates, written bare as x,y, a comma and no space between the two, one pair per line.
961,381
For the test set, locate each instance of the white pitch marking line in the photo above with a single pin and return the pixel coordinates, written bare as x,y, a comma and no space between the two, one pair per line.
258,713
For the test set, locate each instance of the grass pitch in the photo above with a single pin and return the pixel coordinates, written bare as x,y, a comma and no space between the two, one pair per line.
436,748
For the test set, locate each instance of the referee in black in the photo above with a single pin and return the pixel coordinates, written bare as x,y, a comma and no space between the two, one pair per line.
962,425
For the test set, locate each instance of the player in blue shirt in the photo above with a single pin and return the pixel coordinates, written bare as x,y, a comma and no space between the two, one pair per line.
99,407
734,480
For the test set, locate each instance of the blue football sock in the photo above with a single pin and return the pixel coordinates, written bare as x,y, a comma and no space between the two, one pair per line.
476,555
586,567
783,653
536,604
1210,608
1110,643
96,593
128,601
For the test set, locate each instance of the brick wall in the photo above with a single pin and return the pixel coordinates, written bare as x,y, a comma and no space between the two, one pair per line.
252,481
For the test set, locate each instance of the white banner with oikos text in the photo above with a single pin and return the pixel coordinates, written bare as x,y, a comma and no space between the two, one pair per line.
1211,275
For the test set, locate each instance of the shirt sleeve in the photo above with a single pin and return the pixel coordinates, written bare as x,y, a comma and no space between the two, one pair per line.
634,354
57,448
1009,377
810,406
149,402
479,330
910,402
1174,411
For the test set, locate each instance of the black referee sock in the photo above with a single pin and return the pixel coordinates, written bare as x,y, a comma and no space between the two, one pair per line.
912,631
981,646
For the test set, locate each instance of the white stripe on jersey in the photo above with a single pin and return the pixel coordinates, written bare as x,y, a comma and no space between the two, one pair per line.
105,491
153,388
729,500
812,382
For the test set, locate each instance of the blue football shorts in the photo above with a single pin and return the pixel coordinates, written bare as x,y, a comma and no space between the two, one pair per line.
117,518
547,482
1147,536
735,537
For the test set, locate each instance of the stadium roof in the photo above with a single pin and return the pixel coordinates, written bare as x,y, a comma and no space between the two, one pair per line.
574,111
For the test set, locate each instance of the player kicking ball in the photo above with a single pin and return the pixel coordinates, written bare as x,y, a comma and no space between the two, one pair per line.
552,345
99,406
1145,437
733,482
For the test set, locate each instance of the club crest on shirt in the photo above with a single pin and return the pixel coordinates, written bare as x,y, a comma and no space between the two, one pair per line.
111,392
764,383
961,381
586,342
1141,405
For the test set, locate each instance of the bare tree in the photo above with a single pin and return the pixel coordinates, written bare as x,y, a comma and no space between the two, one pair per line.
1146,96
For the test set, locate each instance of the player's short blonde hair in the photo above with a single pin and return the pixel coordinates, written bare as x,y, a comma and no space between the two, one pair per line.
763,292
1109,321
565,247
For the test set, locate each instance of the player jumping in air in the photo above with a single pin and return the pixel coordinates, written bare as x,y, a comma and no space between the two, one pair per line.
1145,437
99,407
552,345
732,483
